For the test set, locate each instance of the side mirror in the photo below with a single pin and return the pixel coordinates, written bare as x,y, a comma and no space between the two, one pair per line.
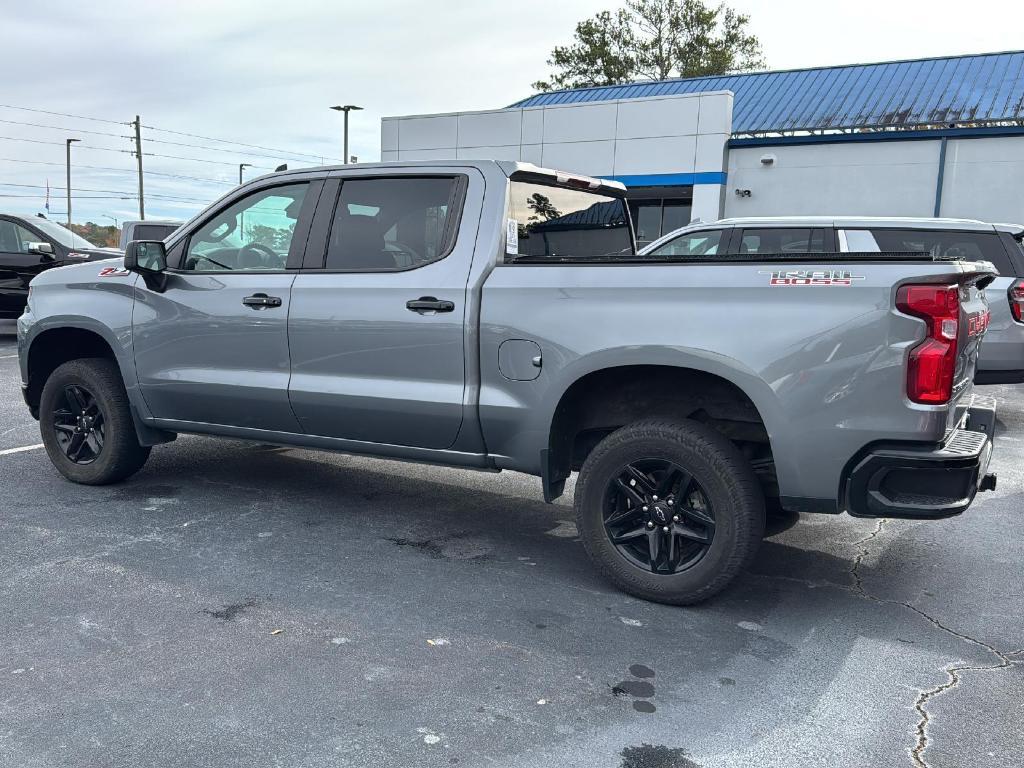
149,259
43,249
145,256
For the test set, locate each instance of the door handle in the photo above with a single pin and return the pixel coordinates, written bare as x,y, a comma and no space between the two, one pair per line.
261,301
426,304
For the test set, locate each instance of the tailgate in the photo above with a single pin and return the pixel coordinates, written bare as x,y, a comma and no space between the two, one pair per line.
974,320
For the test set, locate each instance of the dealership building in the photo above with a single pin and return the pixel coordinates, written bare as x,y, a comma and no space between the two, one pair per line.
927,137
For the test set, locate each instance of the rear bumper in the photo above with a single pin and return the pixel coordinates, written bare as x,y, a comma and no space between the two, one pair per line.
922,482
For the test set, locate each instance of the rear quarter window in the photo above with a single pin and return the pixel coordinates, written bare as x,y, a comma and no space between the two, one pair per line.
946,244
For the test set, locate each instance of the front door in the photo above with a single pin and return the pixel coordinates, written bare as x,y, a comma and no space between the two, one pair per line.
212,348
17,266
378,314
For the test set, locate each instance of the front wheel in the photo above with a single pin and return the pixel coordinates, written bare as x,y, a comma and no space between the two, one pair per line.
669,511
86,423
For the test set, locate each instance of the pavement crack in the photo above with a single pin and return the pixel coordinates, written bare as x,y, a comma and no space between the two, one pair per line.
954,672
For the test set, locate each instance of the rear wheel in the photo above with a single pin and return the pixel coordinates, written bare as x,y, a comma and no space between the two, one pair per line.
669,511
86,423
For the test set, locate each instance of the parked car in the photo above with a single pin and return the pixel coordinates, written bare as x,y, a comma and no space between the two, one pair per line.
31,244
495,315
148,229
1002,354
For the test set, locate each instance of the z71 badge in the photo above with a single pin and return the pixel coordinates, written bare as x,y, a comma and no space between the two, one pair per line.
812,277
114,272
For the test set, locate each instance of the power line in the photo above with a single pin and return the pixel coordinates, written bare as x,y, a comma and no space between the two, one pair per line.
90,189
121,170
129,152
63,128
237,143
64,114
228,151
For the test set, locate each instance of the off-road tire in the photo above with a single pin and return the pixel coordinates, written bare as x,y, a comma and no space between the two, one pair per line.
121,455
727,480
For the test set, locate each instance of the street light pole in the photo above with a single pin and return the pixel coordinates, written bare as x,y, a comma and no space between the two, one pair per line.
68,143
346,109
113,218
240,167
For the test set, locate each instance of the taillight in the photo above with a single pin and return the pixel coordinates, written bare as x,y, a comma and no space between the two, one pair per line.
1017,301
932,364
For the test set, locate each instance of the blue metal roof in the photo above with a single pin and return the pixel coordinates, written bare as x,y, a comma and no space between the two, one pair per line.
984,89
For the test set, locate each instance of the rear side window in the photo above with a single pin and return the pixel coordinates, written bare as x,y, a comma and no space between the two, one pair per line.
560,222
706,242
966,246
782,240
392,224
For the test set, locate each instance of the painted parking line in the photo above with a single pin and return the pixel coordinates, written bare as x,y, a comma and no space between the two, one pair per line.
22,449
7,357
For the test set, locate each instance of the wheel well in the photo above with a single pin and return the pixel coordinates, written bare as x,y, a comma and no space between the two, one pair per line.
53,348
603,401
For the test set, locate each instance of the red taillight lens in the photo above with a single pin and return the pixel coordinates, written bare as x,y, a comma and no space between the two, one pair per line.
1017,301
932,363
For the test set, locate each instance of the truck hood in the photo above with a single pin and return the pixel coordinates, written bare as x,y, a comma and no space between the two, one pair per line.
92,254
100,264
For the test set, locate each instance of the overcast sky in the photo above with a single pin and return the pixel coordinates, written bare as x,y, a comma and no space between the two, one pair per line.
265,73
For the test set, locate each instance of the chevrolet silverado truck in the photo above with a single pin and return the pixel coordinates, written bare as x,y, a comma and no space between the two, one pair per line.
496,315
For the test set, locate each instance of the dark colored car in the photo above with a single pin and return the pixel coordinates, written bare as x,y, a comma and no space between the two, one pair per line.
29,245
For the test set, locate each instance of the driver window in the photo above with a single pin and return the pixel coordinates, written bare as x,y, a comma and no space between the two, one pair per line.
254,233
390,224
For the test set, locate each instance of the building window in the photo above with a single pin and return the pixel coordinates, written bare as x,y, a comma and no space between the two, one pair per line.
656,217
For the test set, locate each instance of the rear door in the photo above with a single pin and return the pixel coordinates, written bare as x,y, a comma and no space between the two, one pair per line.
377,326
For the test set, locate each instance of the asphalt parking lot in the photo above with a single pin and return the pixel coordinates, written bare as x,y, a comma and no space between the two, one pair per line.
238,605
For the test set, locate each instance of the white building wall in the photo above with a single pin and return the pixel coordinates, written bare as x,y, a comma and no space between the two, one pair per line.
671,136
982,179
862,178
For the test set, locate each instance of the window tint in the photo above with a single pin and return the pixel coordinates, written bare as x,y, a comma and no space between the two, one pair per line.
555,221
968,246
153,231
391,224
780,240
254,233
705,242
14,238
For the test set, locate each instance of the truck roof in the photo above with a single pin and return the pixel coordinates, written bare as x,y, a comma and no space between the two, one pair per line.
508,167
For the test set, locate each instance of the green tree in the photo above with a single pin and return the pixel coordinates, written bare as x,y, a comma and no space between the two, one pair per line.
654,40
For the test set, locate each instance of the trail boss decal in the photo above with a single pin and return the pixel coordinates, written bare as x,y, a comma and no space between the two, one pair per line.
811,277
114,272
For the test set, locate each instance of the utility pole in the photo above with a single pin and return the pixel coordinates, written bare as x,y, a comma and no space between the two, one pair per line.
138,156
240,167
68,143
346,109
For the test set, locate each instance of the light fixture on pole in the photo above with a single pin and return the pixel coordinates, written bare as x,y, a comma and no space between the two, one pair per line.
346,109
68,143
240,167
113,218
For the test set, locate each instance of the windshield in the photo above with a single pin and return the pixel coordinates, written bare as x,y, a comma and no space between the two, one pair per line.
552,221
61,234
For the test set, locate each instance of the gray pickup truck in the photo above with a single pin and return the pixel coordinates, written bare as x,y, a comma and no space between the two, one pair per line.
495,315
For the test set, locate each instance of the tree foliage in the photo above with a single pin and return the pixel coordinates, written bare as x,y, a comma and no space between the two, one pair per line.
654,40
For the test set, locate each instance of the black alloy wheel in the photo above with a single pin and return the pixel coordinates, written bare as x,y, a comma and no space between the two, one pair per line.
658,517
78,424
